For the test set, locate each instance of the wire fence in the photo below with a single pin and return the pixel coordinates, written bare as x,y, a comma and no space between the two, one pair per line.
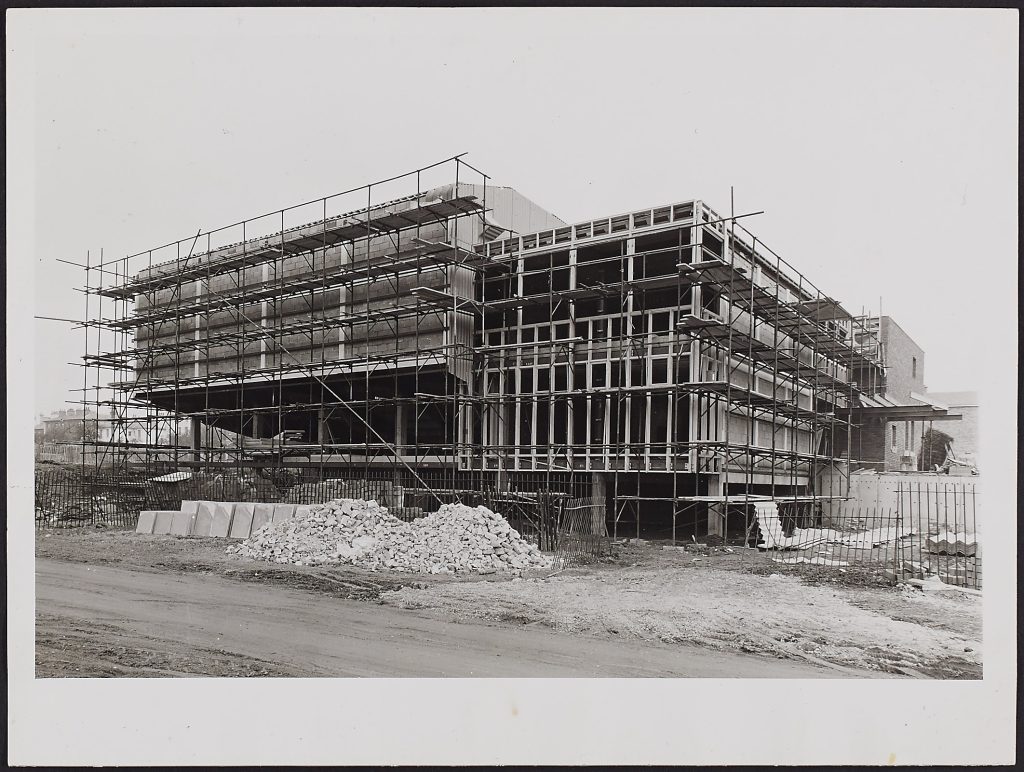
572,528
582,535
930,531
58,453
839,537
569,527
67,497
843,535
941,522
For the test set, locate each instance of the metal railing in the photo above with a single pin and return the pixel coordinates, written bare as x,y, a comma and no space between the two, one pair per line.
942,519
570,528
930,531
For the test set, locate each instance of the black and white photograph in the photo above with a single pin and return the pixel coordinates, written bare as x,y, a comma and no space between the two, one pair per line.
512,385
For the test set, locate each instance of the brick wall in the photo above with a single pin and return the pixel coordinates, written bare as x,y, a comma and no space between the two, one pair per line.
907,436
965,431
867,442
904,362
873,442
886,441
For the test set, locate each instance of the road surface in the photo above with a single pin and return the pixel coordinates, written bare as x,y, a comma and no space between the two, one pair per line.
95,620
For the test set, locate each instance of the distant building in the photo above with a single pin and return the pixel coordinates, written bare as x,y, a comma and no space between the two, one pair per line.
898,410
59,436
140,430
63,425
54,432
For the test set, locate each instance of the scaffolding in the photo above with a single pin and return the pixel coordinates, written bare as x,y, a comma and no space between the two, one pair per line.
663,360
664,351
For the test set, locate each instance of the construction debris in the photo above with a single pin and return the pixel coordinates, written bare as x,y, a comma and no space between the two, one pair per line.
455,539
876,537
815,561
950,543
772,533
934,583
962,466
773,536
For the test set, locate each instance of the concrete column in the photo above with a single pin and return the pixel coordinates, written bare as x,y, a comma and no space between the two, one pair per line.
401,410
321,426
196,443
716,511
599,491
502,436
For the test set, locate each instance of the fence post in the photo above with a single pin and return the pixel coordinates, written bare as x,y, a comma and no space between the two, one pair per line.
563,525
897,542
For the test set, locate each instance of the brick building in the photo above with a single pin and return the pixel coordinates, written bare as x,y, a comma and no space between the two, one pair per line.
899,410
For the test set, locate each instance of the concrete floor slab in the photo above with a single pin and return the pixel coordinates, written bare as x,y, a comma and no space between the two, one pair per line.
204,519
147,519
181,523
222,512
262,514
241,523
163,522
283,512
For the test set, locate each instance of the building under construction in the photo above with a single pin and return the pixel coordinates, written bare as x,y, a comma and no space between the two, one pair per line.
451,335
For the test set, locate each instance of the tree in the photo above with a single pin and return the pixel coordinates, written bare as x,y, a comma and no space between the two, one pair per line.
934,446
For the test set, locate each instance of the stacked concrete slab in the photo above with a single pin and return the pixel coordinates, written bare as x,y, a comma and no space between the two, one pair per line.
953,543
221,519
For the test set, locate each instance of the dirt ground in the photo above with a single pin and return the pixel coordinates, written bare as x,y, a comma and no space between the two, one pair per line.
642,609
108,621
203,556
745,605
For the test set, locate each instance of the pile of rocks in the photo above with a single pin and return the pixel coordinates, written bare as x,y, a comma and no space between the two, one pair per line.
362,533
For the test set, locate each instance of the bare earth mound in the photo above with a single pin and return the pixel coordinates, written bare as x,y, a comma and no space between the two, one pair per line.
882,630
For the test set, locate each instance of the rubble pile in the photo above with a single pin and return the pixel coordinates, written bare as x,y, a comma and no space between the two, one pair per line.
455,539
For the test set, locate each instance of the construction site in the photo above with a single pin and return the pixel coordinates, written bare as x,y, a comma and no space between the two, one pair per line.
460,338
434,355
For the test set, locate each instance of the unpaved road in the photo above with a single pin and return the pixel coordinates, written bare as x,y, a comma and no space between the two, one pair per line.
102,620
645,610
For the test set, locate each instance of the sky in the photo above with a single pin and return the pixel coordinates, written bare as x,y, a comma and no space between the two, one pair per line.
881,144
